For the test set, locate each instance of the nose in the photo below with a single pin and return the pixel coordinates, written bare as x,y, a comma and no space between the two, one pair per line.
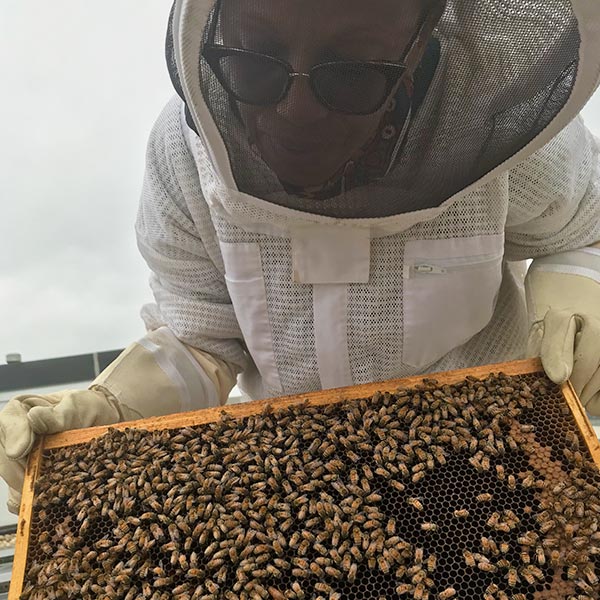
301,106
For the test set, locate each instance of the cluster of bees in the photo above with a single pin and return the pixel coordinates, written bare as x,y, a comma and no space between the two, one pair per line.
328,502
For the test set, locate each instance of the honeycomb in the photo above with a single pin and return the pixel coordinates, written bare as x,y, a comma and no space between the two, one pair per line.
481,489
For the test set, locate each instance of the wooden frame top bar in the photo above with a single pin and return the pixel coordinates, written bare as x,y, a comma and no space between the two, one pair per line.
210,415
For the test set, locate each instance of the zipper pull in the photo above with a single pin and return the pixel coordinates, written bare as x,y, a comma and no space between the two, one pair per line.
429,269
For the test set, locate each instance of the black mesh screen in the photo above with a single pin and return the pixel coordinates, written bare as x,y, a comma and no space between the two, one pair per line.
506,68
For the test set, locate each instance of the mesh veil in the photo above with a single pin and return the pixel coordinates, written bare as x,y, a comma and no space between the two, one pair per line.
505,69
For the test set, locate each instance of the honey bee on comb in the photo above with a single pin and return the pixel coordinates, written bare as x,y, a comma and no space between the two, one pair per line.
483,488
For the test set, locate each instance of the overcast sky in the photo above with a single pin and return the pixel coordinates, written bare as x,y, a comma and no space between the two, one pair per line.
82,83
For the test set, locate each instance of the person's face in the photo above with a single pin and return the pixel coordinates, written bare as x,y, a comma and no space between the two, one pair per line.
303,141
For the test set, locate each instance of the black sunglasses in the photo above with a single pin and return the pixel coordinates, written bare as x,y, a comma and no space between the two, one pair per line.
351,87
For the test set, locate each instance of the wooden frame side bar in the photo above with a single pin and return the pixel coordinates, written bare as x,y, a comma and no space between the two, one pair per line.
583,423
24,524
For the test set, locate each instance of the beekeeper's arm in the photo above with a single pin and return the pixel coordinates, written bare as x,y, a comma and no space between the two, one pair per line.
563,282
190,358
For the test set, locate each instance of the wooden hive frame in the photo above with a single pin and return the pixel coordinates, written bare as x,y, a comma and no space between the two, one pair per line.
194,418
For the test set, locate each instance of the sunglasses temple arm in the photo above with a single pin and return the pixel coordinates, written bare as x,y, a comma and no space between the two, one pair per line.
413,55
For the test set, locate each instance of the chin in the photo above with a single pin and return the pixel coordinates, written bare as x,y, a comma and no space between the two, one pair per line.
298,167
304,182
293,174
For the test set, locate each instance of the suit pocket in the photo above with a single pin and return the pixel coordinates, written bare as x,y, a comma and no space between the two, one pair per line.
450,291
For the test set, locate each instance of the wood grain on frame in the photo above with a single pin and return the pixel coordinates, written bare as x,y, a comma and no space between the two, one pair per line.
583,423
24,523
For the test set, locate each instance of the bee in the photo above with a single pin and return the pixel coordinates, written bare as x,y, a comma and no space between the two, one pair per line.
580,542
400,487
418,476
316,569
586,588
512,576
419,592
528,481
368,472
353,456
415,503
484,498
428,527
469,558
384,565
589,572
333,572
447,593
487,567
555,558
536,572
403,469
405,588
528,539
431,563
493,520
439,454
547,526
217,560
489,545
390,528
373,498
462,513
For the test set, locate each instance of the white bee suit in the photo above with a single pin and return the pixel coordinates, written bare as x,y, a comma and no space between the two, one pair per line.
302,301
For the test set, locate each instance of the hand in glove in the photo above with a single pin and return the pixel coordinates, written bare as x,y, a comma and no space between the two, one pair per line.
563,295
157,376
27,415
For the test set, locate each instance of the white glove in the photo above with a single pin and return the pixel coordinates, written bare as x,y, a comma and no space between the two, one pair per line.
563,297
156,376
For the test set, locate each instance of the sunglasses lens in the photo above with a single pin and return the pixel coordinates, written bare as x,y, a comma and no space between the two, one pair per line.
252,79
351,88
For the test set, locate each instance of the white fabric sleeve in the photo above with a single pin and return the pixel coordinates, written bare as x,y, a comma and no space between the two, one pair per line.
176,237
554,196
158,375
222,374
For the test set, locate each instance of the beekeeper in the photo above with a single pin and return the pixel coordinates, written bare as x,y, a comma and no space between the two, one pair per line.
344,192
